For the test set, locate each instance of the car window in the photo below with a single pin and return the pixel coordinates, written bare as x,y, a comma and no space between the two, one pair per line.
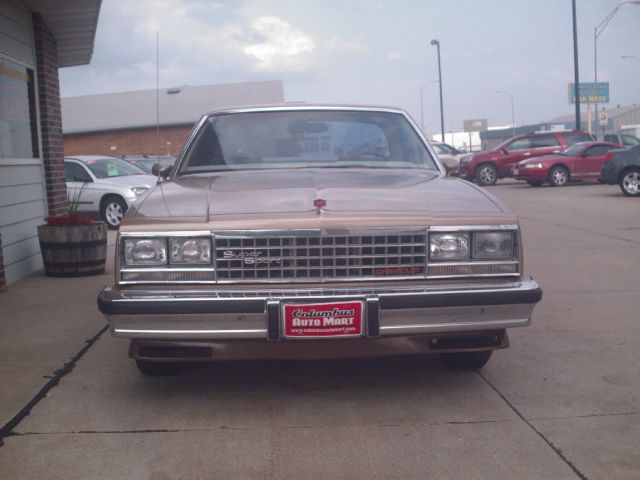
112,167
440,150
301,139
630,140
520,144
597,150
542,141
574,138
75,173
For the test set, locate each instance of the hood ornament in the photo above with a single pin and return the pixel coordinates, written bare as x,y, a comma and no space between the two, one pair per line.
319,203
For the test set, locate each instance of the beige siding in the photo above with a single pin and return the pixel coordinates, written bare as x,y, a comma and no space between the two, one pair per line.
16,35
22,209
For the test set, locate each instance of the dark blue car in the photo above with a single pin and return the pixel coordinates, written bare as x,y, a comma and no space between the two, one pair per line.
623,168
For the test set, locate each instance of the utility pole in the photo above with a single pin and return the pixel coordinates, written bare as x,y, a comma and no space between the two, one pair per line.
576,84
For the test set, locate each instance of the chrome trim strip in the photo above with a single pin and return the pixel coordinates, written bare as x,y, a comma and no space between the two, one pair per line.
169,333
470,228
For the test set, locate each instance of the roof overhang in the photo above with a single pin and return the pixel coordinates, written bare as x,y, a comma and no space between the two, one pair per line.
73,24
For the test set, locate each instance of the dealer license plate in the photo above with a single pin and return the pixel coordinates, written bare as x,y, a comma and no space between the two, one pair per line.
338,319
516,171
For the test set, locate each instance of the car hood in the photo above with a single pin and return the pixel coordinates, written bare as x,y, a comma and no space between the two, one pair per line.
291,193
543,159
130,181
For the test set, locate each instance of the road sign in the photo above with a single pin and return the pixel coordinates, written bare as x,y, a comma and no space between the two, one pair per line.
590,92
475,125
604,118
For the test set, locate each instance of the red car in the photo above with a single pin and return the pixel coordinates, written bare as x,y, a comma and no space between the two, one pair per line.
582,161
487,167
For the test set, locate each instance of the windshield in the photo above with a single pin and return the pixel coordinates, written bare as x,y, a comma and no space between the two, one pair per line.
573,150
302,139
112,167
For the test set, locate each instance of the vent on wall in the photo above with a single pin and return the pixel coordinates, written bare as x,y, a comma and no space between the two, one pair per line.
173,90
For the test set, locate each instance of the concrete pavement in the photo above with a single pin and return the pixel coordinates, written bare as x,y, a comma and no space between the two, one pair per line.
562,402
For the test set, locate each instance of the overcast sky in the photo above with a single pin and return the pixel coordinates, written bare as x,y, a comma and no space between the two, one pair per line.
370,52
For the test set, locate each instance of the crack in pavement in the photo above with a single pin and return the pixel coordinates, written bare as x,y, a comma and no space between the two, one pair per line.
570,417
8,427
246,428
557,450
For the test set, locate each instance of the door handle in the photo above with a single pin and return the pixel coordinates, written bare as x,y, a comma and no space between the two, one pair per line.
526,154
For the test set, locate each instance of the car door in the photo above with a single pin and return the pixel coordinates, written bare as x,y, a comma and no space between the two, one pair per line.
589,164
543,145
512,154
79,186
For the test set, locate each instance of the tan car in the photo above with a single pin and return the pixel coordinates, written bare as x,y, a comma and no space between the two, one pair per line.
314,232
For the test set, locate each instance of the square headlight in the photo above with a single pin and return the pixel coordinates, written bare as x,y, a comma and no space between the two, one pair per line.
449,246
190,251
493,245
145,251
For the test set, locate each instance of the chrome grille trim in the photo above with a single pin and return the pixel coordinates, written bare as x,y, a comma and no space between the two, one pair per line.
320,255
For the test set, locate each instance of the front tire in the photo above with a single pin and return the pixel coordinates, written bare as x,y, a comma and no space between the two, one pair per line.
112,211
558,176
630,182
467,360
486,174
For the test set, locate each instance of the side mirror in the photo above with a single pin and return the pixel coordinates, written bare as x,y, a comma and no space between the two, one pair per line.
161,172
505,151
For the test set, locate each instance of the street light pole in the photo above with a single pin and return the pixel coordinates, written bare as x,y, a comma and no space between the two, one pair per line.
596,33
513,115
437,44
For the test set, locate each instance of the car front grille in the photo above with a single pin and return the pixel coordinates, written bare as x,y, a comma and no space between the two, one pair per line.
320,257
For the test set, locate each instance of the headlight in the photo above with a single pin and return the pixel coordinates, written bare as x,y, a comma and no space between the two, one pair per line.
449,246
145,251
190,251
493,245
534,165
466,159
137,191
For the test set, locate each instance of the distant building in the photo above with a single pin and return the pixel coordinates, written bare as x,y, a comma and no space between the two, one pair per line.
126,123
620,118
36,38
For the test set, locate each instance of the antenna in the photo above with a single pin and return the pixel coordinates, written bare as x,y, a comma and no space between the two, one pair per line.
157,95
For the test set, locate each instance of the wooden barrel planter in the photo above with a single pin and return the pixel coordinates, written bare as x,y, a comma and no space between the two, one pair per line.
73,250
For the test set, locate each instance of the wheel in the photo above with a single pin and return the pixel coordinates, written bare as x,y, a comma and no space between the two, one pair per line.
630,182
112,211
535,183
467,360
486,174
558,176
159,369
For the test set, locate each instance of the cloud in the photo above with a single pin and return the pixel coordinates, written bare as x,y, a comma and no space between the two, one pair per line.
281,46
394,55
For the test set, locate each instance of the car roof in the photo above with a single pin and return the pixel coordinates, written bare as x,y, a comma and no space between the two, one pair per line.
87,158
282,107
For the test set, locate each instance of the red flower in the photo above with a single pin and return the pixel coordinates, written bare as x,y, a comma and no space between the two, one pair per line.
73,219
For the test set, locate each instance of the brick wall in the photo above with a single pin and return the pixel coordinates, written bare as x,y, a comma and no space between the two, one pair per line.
128,142
50,117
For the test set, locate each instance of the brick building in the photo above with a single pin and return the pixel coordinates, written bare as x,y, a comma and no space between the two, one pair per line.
148,121
36,38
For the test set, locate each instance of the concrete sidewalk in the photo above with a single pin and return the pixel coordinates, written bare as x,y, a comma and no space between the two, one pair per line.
45,325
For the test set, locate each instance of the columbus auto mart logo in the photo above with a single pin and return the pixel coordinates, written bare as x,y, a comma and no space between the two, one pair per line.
250,258
322,318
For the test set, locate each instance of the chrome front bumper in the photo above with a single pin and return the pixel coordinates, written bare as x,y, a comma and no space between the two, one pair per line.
206,315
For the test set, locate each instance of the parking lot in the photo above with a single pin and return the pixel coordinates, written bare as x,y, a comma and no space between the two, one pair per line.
563,402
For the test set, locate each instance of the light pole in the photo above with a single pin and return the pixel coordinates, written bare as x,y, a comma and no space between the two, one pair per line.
631,57
422,103
596,33
437,44
513,115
